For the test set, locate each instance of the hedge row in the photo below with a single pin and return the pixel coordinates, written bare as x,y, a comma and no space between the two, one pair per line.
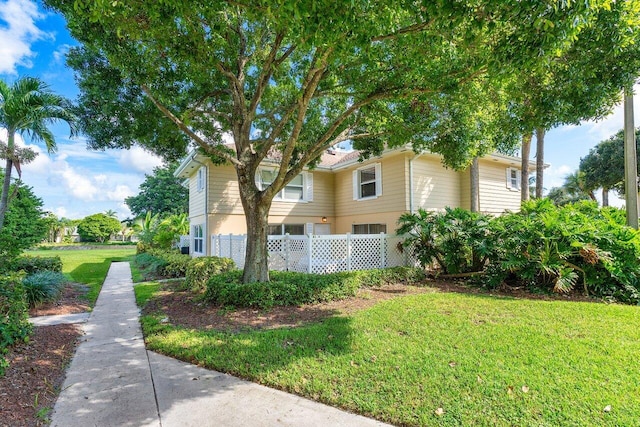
291,288
14,315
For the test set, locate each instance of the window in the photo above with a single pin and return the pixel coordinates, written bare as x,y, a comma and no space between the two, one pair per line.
513,178
281,229
299,189
198,239
367,182
200,181
369,228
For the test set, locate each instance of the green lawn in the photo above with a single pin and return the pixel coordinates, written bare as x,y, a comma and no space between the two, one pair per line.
88,266
484,360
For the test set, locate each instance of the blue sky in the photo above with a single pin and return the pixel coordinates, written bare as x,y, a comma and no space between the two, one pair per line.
75,182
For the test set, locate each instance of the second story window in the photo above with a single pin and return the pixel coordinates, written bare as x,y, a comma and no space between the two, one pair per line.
513,179
200,181
299,189
367,182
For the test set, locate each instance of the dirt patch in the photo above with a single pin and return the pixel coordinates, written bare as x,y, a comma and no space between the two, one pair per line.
185,309
73,300
35,374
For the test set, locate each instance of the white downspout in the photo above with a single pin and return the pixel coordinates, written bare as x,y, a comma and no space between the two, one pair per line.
411,203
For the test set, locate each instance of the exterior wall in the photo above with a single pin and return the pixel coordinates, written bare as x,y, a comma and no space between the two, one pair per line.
235,224
196,198
465,189
385,209
495,197
393,198
434,186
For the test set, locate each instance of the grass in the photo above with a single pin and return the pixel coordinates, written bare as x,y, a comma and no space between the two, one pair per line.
145,291
88,266
484,360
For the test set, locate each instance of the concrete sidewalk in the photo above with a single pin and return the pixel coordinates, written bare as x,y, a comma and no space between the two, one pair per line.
114,381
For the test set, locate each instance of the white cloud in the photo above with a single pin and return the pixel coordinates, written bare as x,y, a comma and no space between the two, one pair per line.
60,54
79,185
100,179
554,176
137,159
60,211
18,33
120,193
610,125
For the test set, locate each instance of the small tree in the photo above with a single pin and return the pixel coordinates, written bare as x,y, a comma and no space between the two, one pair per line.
98,228
24,223
161,193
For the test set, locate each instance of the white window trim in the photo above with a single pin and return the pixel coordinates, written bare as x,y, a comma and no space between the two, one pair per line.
196,237
307,187
357,185
510,185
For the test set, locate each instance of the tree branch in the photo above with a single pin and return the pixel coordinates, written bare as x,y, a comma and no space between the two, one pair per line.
210,149
406,30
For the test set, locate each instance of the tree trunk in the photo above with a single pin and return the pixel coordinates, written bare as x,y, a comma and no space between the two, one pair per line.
4,199
605,197
474,173
539,162
256,266
524,174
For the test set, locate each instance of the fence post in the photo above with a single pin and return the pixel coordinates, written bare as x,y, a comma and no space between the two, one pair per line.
348,251
286,252
231,245
310,249
383,260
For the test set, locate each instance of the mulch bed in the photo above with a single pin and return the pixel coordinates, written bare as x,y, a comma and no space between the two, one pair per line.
35,375
36,369
183,308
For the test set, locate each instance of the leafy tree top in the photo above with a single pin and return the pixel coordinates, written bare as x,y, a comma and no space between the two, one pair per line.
160,193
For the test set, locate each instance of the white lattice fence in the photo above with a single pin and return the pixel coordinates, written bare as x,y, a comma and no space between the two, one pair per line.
320,254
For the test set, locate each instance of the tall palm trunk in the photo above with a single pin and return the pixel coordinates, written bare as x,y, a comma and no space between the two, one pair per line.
605,197
4,199
524,174
539,162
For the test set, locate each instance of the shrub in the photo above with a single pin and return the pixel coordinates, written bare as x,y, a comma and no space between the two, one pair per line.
43,286
455,241
35,264
163,263
200,269
291,288
14,323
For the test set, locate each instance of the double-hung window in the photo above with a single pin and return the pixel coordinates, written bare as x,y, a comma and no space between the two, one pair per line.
282,229
299,189
200,179
367,182
198,239
513,179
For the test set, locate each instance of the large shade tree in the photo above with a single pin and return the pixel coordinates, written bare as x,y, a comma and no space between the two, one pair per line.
28,107
288,79
583,80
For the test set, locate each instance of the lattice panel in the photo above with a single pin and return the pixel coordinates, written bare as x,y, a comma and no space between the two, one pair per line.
366,252
329,254
233,247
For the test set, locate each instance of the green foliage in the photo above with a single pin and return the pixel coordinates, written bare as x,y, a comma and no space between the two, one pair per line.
603,167
98,228
34,264
145,291
161,193
455,240
14,323
200,269
556,248
43,286
24,225
292,288
163,263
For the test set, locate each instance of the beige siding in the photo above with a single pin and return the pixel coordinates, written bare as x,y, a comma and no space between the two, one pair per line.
465,189
434,186
495,197
196,198
224,195
235,224
393,198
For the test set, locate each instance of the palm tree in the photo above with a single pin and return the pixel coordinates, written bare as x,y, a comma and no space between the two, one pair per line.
111,213
28,106
574,183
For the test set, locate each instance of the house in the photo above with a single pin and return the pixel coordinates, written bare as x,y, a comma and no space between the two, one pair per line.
342,195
